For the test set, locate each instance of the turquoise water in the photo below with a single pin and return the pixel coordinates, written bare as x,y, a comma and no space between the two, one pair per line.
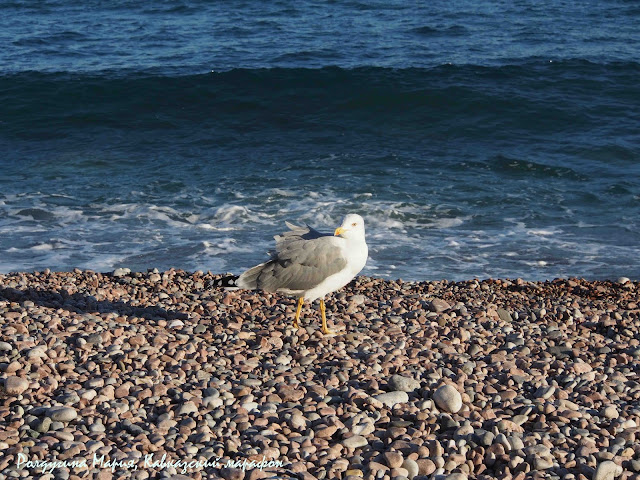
477,139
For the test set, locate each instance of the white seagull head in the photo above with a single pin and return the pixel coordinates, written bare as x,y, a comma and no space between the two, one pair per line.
352,227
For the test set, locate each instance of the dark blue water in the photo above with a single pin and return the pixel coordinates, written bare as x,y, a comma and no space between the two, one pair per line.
476,138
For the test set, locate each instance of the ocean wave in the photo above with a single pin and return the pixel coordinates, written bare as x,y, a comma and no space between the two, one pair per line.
441,30
516,167
34,102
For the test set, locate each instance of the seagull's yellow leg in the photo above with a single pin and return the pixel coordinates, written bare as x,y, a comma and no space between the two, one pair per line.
298,310
325,329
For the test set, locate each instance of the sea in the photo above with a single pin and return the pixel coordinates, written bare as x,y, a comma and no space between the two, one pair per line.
477,138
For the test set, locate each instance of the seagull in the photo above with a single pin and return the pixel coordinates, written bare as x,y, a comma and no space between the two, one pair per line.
308,264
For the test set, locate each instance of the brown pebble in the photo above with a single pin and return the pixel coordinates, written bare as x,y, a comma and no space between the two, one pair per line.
104,474
232,473
137,340
326,431
122,391
377,467
15,385
425,466
393,459
289,393
13,367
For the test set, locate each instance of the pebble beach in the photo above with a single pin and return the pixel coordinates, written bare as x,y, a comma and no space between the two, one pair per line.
479,379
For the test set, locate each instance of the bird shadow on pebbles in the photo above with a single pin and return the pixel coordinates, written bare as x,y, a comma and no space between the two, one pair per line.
86,304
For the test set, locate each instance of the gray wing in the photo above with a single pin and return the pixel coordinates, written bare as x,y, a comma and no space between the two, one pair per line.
303,258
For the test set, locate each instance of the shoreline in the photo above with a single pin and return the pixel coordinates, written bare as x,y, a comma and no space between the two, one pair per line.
543,377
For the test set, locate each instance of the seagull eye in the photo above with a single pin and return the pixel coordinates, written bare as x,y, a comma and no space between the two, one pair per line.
354,224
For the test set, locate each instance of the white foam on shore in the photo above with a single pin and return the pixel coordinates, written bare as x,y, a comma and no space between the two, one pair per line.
541,232
232,213
43,247
406,239
226,246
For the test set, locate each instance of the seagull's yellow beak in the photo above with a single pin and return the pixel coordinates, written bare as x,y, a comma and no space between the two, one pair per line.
339,231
